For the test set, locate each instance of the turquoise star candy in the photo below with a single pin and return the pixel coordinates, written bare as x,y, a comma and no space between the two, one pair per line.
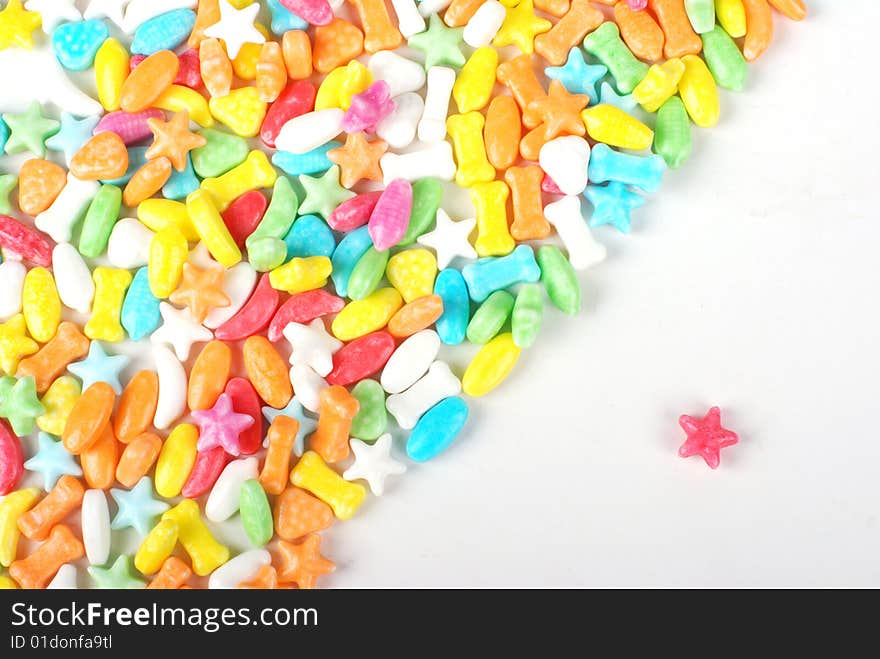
73,134
136,507
323,194
577,76
29,130
19,403
7,183
294,410
52,461
613,204
98,366
441,44
608,96
118,576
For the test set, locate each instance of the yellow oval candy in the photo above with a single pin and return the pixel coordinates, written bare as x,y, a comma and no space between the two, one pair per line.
111,70
40,304
367,315
301,274
490,365
58,400
611,125
158,214
698,92
209,225
176,460
412,273
168,253
178,97
659,85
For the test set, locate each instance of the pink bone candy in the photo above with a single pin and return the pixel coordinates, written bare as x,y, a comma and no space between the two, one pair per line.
303,308
368,108
390,217
316,12
25,241
130,126
354,212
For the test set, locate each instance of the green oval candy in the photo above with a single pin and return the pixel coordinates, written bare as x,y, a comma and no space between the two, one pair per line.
266,253
490,317
724,59
256,514
427,194
99,220
367,273
672,133
527,313
559,279
372,417
221,152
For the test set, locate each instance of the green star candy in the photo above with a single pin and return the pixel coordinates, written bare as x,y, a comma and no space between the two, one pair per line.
19,403
117,576
323,194
29,130
7,183
439,43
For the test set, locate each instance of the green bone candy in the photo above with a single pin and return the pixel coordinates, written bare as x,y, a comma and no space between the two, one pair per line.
256,514
605,44
367,273
560,279
372,417
724,59
527,313
490,317
266,246
672,133
701,14
427,194
221,153
99,220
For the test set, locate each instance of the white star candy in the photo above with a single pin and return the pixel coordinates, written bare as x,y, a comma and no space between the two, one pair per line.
373,463
450,239
236,27
312,345
179,330
140,11
112,9
53,12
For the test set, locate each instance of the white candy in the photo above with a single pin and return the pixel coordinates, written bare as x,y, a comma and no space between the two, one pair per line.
54,12
409,20
565,160
95,516
241,568
45,81
238,282
59,219
399,127
308,386
129,244
410,361
223,500
373,463
428,7
12,275
235,27
310,130
432,127
312,345
73,278
434,160
437,384
172,387
484,24
180,329
64,579
583,250
111,9
140,11
450,239
401,74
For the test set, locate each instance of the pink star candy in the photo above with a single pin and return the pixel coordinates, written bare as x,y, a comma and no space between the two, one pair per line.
368,108
706,437
221,426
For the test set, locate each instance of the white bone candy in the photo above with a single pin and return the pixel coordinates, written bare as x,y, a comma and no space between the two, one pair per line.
310,130
73,278
432,127
172,387
238,282
409,20
484,24
410,361
64,579
583,250
129,244
399,127
223,500
409,406
401,74
239,569
566,160
434,160
12,275
59,219
95,516
312,345
308,386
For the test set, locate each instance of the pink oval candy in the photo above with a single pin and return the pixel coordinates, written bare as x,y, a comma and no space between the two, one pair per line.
390,217
130,126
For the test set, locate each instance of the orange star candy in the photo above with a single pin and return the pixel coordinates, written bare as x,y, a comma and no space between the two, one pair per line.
559,111
201,290
173,139
358,159
302,563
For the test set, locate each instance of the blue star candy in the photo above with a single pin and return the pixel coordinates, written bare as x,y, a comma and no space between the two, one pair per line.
577,76
608,96
294,410
73,134
136,507
100,367
52,461
613,204
283,19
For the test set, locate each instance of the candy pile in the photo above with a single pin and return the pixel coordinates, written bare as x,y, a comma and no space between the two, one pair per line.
157,218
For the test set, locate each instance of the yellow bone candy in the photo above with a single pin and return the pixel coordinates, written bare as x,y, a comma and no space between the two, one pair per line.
245,62
40,304
731,16
111,70
110,287
473,87
698,92
168,253
412,272
659,85
367,315
176,460
301,274
58,400
211,228
611,125
14,344
255,172
13,506
493,234
204,551
311,474
177,98
490,365
156,547
241,110
466,131
157,214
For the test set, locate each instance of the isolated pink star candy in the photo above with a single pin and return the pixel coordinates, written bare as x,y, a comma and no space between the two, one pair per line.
706,437
221,426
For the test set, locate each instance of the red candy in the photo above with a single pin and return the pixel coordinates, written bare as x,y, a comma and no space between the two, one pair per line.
296,99
188,73
25,241
361,358
205,472
254,316
11,459
316,12
549,186
303,308
130,126
243,215
355,212
246,401
706,437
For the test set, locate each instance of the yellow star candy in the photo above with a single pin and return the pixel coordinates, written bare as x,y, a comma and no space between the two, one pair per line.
520,27
14,344
17,26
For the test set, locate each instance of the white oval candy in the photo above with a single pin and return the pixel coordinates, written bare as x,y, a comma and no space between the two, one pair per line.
428,7
399,127
565,216
565,160
224,497
73,278
95,515
238,283
308,386
172,387
401,74
243,567
12,275
410,361
129,244
484,24
409,20
310,130
64,579
432,126
408,407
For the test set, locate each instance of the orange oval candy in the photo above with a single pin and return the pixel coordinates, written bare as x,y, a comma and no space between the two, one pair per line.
147,181
296,48
640,32
502,132
148,81
104,156
209,375
267,371
137,458
39,182
415,316
99,461
759,28
336,44
137,406
89,418
298,513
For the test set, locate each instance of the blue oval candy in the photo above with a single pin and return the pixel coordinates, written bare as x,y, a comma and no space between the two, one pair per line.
346,255
140,309
76,44
311,162
163,32
437,429
309,236
452,323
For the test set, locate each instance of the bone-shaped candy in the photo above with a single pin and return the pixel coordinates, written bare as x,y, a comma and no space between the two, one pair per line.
45,366
642,172
337,409
401,74
518,75
409,406
583,250
399,127
206,553
243,567
311,474
110,286
606,45
434,161
59,219
379,32
40,566
254,173
64,498
466,131
493,234
580,19
489,275
529,222
432,127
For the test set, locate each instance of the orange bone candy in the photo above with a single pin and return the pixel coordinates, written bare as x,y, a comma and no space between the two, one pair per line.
296,48
104,156
640,32
271,72
89,417
298,513
759,30
502,132
68,345
267,371
460,12
416,315
336,44
39,183
519,77
529,222
215,67
555,8
137,458
147,181
99,461
337,408
568,32
209,375
681,39
276,467
148,81
63,499
37,570
137,406
379,32
172,575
